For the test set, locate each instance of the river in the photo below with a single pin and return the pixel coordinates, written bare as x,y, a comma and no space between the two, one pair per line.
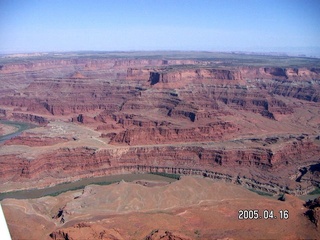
105,180
37,193
21,126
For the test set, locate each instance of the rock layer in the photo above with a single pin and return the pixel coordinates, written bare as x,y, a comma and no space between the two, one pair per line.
255,122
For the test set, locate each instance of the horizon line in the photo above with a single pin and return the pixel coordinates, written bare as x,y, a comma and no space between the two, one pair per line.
248,52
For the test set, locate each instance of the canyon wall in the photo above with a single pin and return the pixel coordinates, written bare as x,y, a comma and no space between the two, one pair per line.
158,135
178,114
75,163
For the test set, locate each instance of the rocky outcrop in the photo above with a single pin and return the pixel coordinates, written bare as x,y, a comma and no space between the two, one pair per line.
300,74
88,63
179,78
302,90
137,74
165,235
30,104
86,231
310,173
191,115
3,113
313,212
35,141
154,78
60,235
276,72
300,148
188,92
30,118
77,75
257,164
201,74
158,135
71,97
175,113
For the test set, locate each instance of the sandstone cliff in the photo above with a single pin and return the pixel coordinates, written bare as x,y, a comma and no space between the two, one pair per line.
177,114
263,163
147,135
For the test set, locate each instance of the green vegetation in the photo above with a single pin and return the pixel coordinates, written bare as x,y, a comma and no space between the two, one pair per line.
261,193
169,175
314,192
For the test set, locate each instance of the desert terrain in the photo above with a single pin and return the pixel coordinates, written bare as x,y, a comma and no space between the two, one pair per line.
191,208
225,122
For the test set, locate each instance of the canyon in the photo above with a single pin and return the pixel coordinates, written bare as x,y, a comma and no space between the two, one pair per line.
249,120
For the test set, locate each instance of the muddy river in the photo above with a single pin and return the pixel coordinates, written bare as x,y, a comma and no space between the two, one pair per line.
20,128
36,193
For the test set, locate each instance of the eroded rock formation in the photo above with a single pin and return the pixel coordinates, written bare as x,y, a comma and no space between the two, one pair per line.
208,115
313,212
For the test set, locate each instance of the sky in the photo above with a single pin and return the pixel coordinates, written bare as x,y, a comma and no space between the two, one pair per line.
123,25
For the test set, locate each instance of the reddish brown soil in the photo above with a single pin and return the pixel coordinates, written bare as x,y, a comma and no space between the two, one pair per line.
192,208
257,126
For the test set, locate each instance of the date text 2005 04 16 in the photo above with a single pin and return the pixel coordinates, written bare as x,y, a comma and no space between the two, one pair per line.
265,214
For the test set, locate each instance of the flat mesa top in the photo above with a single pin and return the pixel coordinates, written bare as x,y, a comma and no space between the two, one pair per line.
216,58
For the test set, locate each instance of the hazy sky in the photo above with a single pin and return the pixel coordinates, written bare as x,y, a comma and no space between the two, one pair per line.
228,25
